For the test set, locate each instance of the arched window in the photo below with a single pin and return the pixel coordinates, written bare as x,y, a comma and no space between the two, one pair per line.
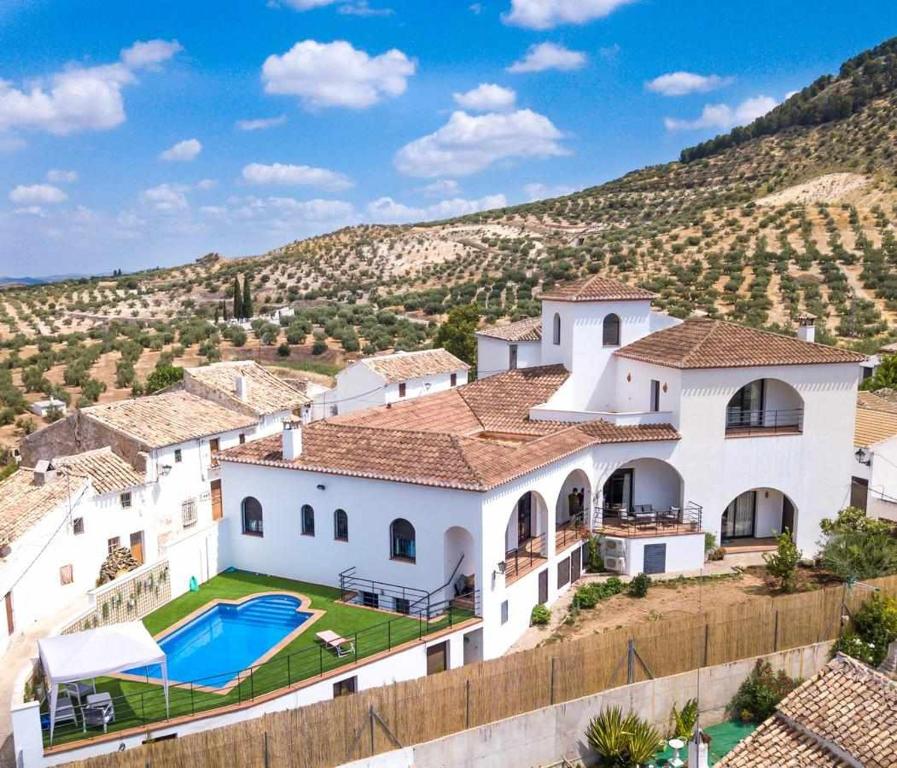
308,520
340,525
253,522
557,329
611,335
402,541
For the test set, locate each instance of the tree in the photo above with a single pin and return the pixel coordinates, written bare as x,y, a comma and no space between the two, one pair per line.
782,564
247,297
456,334
885,376
163,376
238,299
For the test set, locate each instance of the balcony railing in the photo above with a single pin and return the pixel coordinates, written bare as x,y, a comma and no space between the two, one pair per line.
741,422
570,532
646,520
527,556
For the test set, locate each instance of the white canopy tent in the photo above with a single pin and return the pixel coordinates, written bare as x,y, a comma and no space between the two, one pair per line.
97,652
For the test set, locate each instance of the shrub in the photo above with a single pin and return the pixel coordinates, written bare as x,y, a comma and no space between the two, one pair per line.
709,542
782,564
854,646
283,350
163,376
854,556
596,562
760,693
638,587
683,720
622,741
875,628
854,520
541,615
589,595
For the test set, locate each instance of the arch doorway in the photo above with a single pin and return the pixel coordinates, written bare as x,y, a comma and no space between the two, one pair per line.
759,513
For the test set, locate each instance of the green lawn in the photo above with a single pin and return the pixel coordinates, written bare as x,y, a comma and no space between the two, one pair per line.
373,631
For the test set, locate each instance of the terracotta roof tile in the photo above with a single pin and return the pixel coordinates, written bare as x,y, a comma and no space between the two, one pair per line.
598,288
402,366
706,343
265,393
108,471
848,708
876,420
528,329
167,419
26,503
440,412
432,458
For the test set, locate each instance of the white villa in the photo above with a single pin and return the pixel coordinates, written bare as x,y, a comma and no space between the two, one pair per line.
651,430
387,379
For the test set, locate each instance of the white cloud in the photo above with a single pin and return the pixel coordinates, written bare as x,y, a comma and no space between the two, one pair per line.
337,75
683,83
307,5
183,151
166,198
37,194
362,8
545,14
206,184
149,53
284,212
441,188
544,56
470,143
538,191
486,97
58,176
722,116
386,210
290,175
261,123
79,98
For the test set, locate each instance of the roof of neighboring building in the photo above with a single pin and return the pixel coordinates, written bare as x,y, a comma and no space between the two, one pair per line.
470,438
25,502
108,471
499,403
701,342
265,393
848,710
528,329
876,420
597,288
168,418
402,366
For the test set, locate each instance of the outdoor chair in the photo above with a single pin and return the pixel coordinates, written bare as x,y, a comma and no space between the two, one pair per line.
99,711
339,645
78,692
65,710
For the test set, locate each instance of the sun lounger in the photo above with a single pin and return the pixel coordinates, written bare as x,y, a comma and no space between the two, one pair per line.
99,711
335,643
65,711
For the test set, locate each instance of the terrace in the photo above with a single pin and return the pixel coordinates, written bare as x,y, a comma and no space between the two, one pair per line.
297,661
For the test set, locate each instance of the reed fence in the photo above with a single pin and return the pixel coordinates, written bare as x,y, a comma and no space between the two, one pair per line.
381,719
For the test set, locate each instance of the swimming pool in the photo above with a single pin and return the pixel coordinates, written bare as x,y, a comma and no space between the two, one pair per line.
214,646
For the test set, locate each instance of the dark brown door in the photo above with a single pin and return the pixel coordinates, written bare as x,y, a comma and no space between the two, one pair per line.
543,586
787,515
524,519
217,508
575,564
437,658
859,493
10,619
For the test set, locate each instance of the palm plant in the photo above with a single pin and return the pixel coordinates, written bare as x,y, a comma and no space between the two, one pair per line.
858,556
684,719
643,741
607,735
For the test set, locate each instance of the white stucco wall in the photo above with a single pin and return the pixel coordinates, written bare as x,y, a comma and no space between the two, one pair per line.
494,355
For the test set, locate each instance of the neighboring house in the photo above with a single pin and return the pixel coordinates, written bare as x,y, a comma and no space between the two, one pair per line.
647,429
248,388
844,717
45,408
58,523
386,379
874,475
506,347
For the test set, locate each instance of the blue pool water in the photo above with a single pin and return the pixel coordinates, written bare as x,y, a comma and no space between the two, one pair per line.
212,648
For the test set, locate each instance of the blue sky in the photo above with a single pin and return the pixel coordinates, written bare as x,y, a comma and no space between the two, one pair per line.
144,134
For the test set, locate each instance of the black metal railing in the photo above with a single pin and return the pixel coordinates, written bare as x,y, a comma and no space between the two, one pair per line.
570,531
241,686
764,421
642,518
525,556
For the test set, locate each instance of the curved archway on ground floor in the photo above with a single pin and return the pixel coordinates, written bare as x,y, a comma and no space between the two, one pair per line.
758,513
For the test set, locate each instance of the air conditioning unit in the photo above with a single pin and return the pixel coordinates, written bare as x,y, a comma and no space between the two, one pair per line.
616,564
614,546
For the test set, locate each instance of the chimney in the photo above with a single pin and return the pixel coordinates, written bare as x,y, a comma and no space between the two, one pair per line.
44,473
806,327
699,750
241,387
292,439
889,665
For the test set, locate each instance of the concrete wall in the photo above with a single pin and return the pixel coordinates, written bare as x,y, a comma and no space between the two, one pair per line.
494,355
546,735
